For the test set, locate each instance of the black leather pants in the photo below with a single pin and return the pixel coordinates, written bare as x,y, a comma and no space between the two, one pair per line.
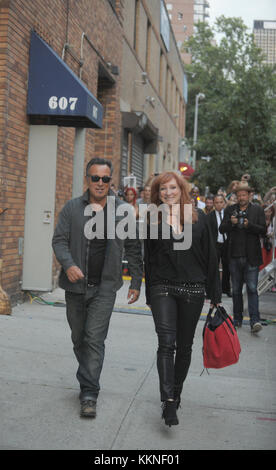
176,312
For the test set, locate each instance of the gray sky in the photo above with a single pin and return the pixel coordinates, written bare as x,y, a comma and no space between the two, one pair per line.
248,10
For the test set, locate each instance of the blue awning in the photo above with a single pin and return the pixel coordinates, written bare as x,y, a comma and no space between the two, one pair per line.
55,94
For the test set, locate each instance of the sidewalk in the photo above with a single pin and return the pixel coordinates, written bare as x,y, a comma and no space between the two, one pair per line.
232,408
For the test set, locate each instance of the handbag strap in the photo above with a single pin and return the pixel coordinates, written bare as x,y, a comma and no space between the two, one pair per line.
224,315
206,321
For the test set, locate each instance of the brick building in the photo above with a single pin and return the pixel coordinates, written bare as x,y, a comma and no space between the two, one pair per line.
78,79
184,14
86,35
153,92
181,14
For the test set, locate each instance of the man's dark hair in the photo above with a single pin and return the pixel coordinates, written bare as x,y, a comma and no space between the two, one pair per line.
219,195
99,161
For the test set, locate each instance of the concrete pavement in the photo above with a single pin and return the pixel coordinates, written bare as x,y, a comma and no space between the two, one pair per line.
232,408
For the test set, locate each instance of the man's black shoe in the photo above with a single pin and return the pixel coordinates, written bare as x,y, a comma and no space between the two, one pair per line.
88,409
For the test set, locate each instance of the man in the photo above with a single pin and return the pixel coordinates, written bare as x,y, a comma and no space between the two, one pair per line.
209,204
146,197
196,197
244,224
144,202
215,218
91,274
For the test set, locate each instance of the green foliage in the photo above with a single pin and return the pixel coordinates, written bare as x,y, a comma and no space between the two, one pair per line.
237,118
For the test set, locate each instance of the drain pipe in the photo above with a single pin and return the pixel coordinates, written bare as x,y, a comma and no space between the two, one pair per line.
83,37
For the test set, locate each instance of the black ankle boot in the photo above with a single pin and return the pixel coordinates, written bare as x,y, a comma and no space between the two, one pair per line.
169,413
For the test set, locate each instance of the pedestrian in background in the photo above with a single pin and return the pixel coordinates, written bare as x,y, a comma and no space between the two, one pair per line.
268,242
130,197
244,224
209,204
221,242
146,195
195,194
231,188
232,199
176,281
91,274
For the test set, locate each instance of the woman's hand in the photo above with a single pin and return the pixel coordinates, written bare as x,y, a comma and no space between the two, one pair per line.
212,305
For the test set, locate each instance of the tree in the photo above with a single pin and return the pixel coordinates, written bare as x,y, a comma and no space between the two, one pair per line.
237,118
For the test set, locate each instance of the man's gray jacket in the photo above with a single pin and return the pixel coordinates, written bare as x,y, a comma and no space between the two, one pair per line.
71,247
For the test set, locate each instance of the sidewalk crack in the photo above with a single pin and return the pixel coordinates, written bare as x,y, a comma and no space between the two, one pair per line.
131,402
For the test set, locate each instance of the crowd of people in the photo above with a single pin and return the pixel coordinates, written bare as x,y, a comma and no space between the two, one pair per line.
226,228
213,203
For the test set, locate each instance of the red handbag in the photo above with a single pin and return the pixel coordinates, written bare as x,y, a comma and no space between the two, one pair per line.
221,345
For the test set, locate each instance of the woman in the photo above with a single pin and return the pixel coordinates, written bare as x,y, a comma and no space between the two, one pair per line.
232,199
130,197
231,188
268,240
175,286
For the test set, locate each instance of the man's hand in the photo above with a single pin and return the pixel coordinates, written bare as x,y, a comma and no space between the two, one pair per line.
74,274
245,223
133,295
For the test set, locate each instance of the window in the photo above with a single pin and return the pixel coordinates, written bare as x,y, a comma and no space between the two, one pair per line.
180,16
169,6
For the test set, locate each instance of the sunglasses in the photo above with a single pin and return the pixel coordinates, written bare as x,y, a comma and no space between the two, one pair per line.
96,178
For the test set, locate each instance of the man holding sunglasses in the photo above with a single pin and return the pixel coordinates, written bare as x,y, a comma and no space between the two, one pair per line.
91,274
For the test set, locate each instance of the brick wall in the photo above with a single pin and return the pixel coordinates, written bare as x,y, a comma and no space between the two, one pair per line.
57,22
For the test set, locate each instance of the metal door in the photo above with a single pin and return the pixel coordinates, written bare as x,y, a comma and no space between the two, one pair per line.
137,161
124,158
40,208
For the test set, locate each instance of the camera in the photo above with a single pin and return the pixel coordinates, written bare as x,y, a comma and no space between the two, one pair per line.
241,215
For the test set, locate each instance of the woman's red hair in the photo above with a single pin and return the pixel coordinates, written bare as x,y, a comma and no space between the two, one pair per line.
133,191
184,187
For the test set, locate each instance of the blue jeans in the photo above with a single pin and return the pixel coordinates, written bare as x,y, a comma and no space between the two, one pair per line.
88,316
241,272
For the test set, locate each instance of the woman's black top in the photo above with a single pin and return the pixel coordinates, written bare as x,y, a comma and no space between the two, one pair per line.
198,264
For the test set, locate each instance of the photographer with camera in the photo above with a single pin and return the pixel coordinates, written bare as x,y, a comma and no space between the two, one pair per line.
244,224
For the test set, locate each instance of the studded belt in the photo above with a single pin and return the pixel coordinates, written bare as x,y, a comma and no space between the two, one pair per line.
177,289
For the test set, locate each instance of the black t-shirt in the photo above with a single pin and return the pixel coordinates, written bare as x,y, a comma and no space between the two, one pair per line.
97,249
